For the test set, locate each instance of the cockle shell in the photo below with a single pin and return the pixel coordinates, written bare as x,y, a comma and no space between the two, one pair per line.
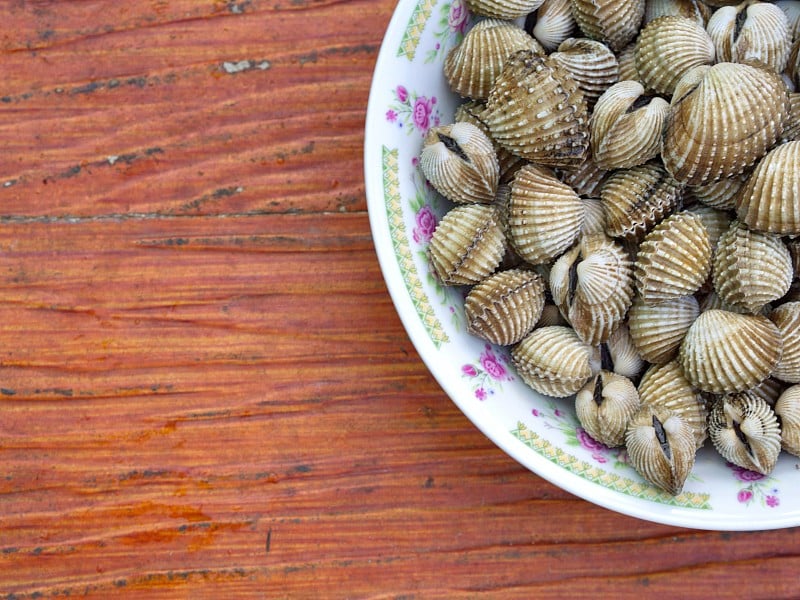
636,199
665,386
554,361
769,199
791,127
627,63
594,221
590,63
745,431
502,9
545,215
619,354
787,318
719,194
613,22
605,406
504,307
661,447
657,330
715,221
691,9
625,133
750,268
467,244
537,111
751,31
726,352
787,409
769,390
460,162
472,66
674,259
586,179
553,24
509,163
592,284
667,48
725,123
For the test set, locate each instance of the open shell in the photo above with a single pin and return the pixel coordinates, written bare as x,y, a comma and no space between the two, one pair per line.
787,318
787,409
726,352
545,215
554,361
665,386
674,259
745,431
537,111
467,244
751,268
460,162
768,201
504,307
472,66
624,134
605,406
613,22
667,48
661,447
724,123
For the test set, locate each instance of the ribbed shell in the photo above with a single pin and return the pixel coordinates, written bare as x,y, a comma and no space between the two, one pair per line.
787,408
502,9
473,65
545,215
719,194
726,352
553,361
627,63
757,31
745,432
592,285
665,386
467,244
623,135
691,9
724,124
661,447
537,111
586,180
787,318
750,268
657,330
594,221
622,354
636,199
791,127
554,23
504,307
667,48
769,390
674,259
769,199
613,22
460,162
605,406
590,63
714,220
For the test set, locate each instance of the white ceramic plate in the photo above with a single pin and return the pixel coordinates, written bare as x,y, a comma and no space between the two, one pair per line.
409,95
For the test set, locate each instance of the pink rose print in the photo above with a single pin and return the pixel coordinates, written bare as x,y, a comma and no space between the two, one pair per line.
596,448
492,365
744,496
745,474
458,18
402,93
425,225
469,371
423,107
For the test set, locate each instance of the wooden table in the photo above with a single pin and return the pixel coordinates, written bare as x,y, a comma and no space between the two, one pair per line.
206,391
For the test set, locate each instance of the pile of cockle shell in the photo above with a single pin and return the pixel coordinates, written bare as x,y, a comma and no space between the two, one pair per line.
626,185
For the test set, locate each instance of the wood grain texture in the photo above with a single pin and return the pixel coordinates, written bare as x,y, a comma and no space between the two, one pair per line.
204,388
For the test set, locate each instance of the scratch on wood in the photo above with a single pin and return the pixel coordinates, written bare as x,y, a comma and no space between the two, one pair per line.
269,540
231,68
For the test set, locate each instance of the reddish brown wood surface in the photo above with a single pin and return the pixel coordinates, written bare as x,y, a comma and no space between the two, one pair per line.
204,388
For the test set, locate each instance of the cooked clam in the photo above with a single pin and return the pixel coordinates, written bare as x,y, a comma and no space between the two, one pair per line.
726,352
605,406
459,161
661,447
745,431
504,307
554,361
467,244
